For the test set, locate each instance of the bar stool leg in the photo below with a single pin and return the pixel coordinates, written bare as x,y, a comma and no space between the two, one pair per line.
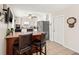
45,50
40,49
36,53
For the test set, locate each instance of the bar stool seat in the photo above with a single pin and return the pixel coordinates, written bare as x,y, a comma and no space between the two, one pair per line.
40,44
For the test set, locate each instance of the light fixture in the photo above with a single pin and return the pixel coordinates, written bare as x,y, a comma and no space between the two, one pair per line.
30,16
26,23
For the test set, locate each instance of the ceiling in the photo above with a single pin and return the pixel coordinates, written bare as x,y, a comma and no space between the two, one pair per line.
41,7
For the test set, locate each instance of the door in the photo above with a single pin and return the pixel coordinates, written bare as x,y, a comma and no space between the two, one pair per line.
59,29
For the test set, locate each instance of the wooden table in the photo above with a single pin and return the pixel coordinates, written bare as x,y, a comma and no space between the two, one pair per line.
10,40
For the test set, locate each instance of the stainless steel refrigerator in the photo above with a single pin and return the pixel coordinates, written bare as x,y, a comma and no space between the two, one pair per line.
44,27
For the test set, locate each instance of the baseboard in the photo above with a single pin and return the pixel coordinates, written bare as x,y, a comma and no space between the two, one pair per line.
71,49
68,47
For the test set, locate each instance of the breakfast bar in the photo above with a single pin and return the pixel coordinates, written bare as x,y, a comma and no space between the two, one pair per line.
12,38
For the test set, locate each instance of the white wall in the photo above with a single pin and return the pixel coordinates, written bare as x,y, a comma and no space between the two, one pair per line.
3,28
50,18
71,35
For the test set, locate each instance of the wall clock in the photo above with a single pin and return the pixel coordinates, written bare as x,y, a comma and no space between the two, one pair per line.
71,21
